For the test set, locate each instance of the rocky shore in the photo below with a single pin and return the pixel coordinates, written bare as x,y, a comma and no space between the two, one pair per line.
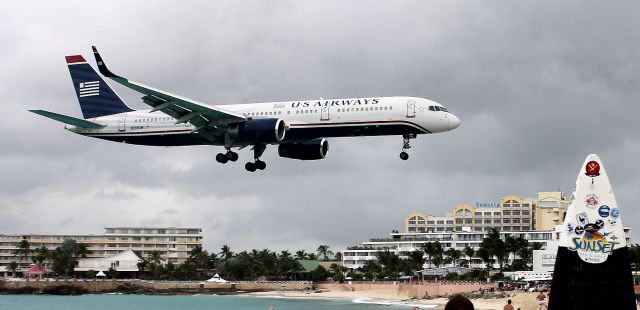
79,287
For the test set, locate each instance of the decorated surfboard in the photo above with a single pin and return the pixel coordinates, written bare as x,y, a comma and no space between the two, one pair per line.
592,269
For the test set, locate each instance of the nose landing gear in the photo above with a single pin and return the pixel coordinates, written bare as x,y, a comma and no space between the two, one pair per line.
406,145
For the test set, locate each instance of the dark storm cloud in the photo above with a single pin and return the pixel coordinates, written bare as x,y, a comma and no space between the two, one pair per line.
538,86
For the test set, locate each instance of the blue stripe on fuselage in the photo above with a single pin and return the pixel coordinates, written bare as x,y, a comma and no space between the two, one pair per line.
293,134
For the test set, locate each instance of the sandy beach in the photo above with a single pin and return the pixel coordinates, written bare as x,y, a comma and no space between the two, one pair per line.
522,300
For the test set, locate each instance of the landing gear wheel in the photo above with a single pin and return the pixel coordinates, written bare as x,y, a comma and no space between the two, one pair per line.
406,139
251,167
260,165
222,158
232,156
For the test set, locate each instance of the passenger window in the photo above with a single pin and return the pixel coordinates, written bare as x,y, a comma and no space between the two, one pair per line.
390,108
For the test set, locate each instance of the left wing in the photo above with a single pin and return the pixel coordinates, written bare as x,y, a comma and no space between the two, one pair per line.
205,118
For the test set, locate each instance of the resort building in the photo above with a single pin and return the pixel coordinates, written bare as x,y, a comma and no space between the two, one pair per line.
174,244
510,213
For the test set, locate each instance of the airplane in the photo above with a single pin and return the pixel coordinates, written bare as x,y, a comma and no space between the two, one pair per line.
299,128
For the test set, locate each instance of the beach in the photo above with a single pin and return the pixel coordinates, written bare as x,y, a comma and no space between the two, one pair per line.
522,300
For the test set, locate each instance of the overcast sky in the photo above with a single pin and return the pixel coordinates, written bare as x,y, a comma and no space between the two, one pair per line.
538,85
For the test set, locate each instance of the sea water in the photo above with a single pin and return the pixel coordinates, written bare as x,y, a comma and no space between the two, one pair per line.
186,302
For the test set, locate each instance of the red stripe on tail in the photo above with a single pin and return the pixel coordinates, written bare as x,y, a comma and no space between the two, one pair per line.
74,59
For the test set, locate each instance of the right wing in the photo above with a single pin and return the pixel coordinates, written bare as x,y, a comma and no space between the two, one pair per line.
206,119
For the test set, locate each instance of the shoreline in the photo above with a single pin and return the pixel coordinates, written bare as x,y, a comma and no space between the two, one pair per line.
396,295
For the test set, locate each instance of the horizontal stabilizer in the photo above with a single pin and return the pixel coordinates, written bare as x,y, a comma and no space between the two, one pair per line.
68,119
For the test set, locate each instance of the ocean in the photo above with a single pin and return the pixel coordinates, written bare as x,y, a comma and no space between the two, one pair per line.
187,302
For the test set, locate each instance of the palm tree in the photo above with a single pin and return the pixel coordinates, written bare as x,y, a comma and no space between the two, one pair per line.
13,266
155,257
437,254
511,246
428,250
485,256
495,246
338,256
453,255
416,260
23,249
323,250
225,252
469,252
42,255
81,250
301,254
312,256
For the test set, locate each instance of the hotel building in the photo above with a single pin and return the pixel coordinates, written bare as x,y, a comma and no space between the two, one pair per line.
535,219
174,244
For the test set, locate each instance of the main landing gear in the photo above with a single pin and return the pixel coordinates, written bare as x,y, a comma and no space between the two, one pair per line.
406,145
228,156
258,149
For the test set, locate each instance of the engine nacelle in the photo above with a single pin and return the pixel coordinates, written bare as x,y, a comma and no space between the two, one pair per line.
267,130
307,150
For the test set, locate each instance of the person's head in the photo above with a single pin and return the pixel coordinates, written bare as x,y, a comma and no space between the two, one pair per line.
509,301
459,302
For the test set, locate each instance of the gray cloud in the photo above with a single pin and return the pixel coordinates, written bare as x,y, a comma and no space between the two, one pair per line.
538,85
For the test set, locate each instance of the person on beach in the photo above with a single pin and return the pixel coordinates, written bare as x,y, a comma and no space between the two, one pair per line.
459,302
540,299
508,306
271,308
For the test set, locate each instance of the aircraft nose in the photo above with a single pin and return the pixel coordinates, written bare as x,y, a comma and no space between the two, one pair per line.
454,122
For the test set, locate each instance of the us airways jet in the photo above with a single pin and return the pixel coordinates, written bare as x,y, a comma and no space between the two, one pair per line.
298,128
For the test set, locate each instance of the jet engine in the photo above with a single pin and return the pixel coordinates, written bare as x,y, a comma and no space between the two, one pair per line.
307,150
268,130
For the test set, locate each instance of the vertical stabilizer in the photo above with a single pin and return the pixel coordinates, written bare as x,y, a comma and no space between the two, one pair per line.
592,269
95,96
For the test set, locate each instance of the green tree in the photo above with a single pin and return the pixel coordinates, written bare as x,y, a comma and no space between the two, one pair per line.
319,274
437,254
155,264
64,257
338,256
42,255
13,266
453,256
338,272
225,252
494,245
323,250
485,256
416,260
469,252
301,254
312,256
23,250
427,248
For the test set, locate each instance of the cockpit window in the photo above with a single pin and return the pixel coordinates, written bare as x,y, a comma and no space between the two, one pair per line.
436,108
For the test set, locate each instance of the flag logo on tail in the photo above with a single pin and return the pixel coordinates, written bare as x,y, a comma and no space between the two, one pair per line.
89,89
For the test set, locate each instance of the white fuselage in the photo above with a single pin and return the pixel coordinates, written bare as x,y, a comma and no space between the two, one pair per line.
305,119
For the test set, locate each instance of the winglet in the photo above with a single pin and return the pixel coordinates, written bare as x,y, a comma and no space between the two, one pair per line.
101,65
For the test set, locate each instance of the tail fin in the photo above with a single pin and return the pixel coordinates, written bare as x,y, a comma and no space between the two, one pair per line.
95,96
